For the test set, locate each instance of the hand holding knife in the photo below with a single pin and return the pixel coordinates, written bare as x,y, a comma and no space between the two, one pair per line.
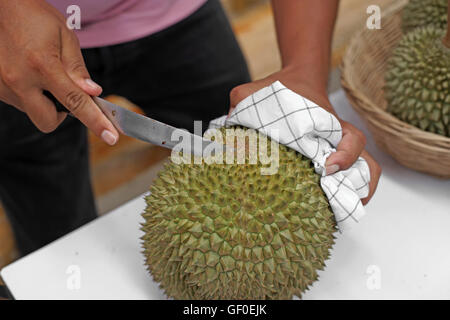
141,127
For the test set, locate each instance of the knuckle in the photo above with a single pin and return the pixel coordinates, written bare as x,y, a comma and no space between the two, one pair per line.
41,62
11,78
236,94
360,136
77,67
75,102
346,163
35,60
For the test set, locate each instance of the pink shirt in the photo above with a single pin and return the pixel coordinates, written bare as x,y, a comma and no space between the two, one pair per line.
109,22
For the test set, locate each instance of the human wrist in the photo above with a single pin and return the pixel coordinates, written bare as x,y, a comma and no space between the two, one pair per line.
308,75
305,81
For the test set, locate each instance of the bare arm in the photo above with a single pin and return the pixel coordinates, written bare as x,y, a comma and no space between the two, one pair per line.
304,32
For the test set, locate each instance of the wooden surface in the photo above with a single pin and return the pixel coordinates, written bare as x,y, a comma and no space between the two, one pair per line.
113,168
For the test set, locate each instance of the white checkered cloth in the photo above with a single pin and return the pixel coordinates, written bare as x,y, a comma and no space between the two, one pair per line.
314,132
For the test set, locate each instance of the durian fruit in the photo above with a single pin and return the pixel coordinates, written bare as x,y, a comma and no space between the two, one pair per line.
418,81
224,231
421,13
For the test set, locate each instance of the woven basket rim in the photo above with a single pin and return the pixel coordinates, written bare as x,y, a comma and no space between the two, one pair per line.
393,125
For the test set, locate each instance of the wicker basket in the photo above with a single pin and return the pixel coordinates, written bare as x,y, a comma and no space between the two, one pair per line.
363,70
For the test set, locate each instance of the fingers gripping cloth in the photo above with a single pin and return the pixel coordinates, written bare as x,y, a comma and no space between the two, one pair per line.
304,126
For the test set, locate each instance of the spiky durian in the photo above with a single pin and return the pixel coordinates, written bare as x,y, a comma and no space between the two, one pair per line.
225,231
418,79
421,13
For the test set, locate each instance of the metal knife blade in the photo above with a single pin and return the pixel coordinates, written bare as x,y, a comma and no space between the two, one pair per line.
146,129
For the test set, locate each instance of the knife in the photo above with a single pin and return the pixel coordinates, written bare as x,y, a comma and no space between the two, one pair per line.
147,129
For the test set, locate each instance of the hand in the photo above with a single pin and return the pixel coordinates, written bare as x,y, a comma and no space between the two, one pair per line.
38,52
353,141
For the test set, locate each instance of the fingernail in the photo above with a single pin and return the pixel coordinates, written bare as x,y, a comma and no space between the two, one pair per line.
92,84
332,169
109,137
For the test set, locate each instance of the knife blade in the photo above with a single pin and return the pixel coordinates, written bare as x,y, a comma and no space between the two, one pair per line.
146,129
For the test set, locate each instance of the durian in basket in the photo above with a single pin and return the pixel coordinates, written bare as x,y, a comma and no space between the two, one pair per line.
418,74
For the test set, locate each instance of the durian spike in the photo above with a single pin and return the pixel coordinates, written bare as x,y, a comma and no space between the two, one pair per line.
446,40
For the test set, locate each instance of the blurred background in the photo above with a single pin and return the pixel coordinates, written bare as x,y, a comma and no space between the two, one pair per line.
124,172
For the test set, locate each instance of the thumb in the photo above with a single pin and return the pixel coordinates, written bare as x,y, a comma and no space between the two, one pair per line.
347,152
74,65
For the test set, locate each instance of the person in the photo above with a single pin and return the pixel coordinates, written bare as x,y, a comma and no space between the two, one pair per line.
177,59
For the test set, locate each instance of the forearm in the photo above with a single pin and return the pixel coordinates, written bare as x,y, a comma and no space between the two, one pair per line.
305,30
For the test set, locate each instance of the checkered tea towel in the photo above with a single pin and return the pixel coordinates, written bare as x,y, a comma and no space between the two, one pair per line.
314,132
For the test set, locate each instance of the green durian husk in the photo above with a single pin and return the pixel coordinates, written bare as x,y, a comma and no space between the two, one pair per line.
225,231
422,13
418,79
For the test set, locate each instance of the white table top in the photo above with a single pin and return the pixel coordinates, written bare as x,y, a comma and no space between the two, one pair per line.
400,249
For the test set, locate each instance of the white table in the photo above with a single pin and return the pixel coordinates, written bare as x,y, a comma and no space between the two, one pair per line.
401,249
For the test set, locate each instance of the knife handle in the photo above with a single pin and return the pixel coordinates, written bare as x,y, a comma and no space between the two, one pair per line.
58,105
